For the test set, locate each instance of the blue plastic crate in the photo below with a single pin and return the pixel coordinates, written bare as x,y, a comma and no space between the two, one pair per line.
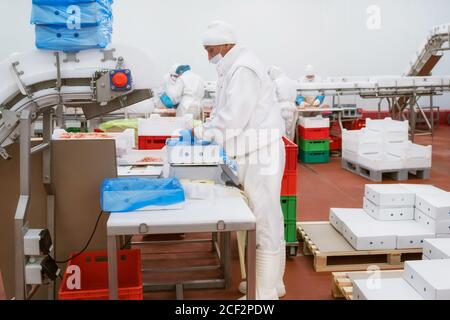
64,39
129,194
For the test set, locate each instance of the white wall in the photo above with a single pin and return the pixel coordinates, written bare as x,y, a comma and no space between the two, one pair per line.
330,34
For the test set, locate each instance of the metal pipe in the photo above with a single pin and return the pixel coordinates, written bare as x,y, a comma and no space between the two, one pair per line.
40,147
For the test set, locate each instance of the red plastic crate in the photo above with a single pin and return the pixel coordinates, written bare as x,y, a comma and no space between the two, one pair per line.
152,142
335,143
313,133
289,184
94,276
291,155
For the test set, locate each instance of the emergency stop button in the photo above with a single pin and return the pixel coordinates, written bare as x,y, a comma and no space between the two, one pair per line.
120,80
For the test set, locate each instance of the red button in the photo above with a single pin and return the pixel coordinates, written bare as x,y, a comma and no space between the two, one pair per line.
120,79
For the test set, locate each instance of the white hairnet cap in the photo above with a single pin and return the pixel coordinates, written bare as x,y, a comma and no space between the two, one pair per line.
274,72
218,33
173,69
309,71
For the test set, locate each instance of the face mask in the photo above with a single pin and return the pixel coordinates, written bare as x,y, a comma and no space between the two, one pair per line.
216,59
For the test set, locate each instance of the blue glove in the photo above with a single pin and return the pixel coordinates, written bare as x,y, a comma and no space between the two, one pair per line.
187,136
299,100
165,99
321,99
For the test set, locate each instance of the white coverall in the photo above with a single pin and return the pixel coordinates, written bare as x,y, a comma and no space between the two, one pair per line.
246,109
286,90
187,91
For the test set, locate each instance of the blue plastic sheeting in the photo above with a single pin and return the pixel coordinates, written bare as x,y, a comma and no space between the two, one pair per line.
69,2
64,39
72,16
129,194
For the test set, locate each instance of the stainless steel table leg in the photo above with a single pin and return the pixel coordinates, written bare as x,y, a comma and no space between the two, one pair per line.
251,265
112,268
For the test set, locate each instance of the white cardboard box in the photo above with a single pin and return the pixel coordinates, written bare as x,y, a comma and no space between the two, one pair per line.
430,278
368,236
387,214
422,189
337,215
437,248
390,195
410,234
436,206
384,289
436,226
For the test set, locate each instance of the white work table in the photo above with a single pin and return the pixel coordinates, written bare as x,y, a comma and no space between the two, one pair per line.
220,215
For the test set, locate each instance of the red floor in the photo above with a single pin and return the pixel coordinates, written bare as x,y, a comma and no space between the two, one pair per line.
320,187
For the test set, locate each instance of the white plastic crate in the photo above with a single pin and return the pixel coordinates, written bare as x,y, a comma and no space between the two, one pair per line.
361,141
164,126
380,161
384,289
350,156
386,213
436,248
412,155
430,278
437,206
392,130
337,215
390,195
181,154
314,122
436,226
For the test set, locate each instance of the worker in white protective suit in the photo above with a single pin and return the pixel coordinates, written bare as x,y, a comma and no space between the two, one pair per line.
247,123
310,101
286,91
183,90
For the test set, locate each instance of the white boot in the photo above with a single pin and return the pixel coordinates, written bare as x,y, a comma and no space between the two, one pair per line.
267,273
281,289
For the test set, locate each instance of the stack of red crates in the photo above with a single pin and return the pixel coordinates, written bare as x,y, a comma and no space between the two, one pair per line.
288,197
289,183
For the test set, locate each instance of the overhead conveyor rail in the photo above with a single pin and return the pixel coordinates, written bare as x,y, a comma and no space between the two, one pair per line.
430,51
402,93
34,83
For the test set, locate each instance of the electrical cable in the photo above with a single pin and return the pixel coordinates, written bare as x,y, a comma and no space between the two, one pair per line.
87,244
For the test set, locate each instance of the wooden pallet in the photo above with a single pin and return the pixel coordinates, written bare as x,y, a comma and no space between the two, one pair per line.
342,285
326,243
378,175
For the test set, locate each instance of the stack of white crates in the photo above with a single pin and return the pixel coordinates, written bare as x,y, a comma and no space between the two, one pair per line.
383,145
389,218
